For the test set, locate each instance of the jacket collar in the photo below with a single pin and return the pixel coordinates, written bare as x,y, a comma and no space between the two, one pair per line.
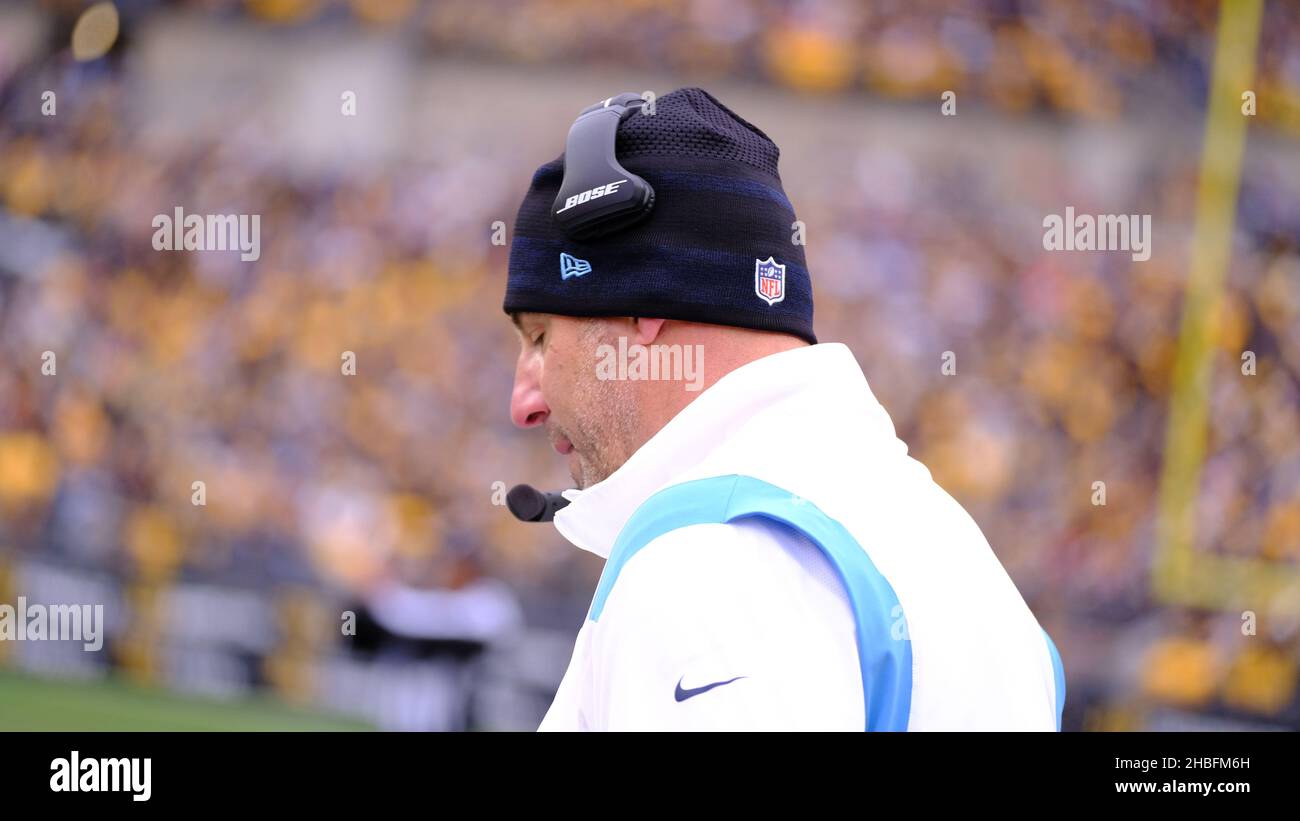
819,379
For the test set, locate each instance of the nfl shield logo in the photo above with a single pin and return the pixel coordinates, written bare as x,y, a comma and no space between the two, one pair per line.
769,280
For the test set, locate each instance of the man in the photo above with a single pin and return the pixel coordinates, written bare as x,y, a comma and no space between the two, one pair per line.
775,560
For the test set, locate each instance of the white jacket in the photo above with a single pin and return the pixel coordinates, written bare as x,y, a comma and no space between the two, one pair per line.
747,624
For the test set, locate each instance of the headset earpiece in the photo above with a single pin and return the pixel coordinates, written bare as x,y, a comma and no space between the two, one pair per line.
598,196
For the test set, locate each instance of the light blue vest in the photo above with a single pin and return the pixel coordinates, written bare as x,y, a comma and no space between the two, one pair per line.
884,649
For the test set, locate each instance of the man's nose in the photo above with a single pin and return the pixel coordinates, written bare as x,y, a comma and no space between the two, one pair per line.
527,407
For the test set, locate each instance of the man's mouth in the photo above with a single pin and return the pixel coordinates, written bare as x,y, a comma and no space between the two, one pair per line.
562,446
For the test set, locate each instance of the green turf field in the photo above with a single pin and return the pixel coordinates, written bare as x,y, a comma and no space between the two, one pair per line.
28,703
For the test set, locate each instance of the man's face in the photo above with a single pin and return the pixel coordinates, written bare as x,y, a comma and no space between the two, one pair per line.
591,422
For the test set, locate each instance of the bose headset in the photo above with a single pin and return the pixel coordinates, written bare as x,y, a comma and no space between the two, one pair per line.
598,195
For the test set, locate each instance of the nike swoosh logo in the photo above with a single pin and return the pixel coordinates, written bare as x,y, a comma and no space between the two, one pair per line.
682,695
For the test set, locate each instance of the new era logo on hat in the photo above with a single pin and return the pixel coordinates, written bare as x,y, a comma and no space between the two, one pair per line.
571,266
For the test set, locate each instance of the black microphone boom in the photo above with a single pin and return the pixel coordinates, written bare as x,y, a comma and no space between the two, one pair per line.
528,504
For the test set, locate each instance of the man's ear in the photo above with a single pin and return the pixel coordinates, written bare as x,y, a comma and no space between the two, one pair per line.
647,330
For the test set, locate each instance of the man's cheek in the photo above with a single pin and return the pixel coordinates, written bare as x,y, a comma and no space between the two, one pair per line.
557,374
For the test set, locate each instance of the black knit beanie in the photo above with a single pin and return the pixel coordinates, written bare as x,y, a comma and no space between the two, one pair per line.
717,246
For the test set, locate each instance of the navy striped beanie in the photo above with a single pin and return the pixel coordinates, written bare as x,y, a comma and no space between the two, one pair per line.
716,248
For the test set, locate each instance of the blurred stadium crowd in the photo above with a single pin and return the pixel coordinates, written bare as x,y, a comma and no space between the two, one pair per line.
379,493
